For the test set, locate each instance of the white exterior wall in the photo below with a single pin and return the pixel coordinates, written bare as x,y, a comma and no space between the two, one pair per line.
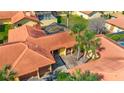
81,14
116,29
96,15
107,26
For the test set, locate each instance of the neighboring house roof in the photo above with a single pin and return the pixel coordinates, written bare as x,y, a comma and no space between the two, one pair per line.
87,12
118,14
22,15
110,64
48,42
24,32
54,28
24,57
56,41
119,22
7,14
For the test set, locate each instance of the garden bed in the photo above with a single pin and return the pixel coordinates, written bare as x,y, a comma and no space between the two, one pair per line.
116,37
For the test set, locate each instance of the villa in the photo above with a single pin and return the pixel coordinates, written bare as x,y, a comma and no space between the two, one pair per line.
19,18
46,17
115,25
5,17
27,18
30,51
26,59
110,64
88,14
116,15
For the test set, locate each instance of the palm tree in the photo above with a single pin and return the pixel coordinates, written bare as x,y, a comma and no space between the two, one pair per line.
6,74
77,29
67,20
90,43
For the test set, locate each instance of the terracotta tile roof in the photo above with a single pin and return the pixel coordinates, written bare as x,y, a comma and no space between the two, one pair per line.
110,64
22,15
87,12
119,22
24,32
23,58
7,14
117,15
56,41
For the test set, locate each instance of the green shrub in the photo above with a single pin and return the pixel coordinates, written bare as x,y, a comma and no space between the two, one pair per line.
4,33
1,41
79,76
115,37
62,76
59,19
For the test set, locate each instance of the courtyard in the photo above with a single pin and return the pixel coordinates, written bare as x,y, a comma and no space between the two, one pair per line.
71,61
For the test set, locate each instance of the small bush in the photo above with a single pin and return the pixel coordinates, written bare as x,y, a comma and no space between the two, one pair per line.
116,37
79,76
59,19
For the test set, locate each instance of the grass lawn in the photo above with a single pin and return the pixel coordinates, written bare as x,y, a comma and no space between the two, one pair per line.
73,19
115,37
4,33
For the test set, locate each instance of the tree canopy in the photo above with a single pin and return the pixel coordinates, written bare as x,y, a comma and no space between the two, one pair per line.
6,74
97,25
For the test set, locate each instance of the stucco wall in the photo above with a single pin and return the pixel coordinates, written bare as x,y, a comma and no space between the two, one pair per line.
107,26
95,15
82,14
26,22
62,52
5,21
115,28
42,71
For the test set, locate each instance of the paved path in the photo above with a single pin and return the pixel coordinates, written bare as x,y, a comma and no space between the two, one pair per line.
71,60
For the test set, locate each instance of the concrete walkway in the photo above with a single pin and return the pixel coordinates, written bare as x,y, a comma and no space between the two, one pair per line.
71,60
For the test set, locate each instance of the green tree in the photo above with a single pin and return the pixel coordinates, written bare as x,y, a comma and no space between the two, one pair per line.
77,29
6,74
97,25
59,19
67,18
90,43
78,76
